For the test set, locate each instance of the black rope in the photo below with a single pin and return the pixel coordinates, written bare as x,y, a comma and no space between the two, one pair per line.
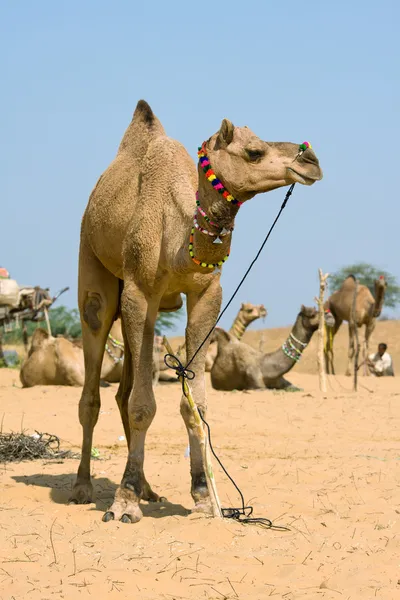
288,194
178,367
242,514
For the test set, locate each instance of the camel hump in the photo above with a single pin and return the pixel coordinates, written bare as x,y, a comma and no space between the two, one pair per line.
143,129
349,283
143,110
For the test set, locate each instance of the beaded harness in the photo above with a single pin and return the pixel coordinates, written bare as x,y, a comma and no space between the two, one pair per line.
290,349
218,185
116,344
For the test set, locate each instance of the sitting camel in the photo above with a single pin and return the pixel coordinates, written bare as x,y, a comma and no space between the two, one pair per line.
367,310
247,314
58,361
155,228
238,366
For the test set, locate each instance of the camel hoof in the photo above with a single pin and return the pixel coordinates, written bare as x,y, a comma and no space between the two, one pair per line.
158,499
108,516
125,519
202,507
81,494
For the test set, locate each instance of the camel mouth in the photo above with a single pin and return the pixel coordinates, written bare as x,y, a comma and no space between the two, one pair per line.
301,178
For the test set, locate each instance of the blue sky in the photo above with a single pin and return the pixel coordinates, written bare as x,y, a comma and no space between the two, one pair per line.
72,73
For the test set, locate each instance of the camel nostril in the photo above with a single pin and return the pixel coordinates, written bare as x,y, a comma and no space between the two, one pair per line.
309,156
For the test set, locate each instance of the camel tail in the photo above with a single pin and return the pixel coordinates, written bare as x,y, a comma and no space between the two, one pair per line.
143,129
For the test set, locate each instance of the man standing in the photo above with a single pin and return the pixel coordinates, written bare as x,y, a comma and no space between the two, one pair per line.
380,364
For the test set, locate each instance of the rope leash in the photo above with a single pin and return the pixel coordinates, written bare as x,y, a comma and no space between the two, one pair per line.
243,513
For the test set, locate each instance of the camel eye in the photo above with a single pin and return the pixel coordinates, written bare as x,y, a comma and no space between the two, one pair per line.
254,155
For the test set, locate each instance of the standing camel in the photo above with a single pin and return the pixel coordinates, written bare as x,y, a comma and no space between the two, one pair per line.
367,310
147,237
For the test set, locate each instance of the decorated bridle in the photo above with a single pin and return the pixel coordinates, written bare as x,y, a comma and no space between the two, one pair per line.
217,184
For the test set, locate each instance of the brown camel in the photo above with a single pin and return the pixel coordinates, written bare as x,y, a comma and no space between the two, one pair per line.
238,366
247,314
58,361
141,248
367,310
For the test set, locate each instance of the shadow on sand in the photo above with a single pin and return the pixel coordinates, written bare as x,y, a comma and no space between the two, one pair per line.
61,486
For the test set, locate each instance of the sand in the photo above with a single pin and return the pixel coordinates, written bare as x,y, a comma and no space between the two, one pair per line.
327,468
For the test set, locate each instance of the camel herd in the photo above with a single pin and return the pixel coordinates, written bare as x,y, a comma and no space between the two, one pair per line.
155,228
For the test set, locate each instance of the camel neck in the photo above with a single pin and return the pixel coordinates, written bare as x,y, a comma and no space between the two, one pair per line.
239,326
379,298
218,209
202,249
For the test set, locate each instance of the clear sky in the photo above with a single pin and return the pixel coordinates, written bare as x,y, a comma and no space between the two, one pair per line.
72,73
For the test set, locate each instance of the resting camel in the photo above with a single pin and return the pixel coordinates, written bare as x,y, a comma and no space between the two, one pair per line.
368,309
238,366
141,248
58,361
247,314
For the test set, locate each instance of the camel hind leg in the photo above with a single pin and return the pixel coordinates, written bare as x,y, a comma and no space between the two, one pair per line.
122,398
98,296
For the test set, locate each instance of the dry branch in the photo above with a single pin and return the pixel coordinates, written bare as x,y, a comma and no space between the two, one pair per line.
19,446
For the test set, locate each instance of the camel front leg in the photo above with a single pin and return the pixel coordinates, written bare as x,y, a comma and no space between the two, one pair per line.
203,309
351,352
139,315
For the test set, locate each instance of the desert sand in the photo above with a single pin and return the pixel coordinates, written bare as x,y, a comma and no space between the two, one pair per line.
325,467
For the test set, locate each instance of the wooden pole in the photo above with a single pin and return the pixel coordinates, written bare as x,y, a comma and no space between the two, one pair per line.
321,331
46,314
354,324
203,441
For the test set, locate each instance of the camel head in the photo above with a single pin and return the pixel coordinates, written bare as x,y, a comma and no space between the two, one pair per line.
251,312
248,166
309,319
380,285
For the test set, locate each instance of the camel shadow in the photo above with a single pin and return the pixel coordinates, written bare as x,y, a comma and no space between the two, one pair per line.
104,489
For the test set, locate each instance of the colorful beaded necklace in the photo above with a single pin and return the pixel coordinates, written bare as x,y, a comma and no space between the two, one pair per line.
212,178
201,263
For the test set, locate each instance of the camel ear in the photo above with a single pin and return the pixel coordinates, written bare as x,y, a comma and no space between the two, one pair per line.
225,134
302,309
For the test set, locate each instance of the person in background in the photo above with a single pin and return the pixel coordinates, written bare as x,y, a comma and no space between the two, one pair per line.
380,364
4,274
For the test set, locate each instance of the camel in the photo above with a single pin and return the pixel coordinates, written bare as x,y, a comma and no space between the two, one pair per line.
367,310
58,361
238,366
247,314
142,247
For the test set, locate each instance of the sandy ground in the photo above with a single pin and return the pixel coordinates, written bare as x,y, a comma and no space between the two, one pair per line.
328,468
